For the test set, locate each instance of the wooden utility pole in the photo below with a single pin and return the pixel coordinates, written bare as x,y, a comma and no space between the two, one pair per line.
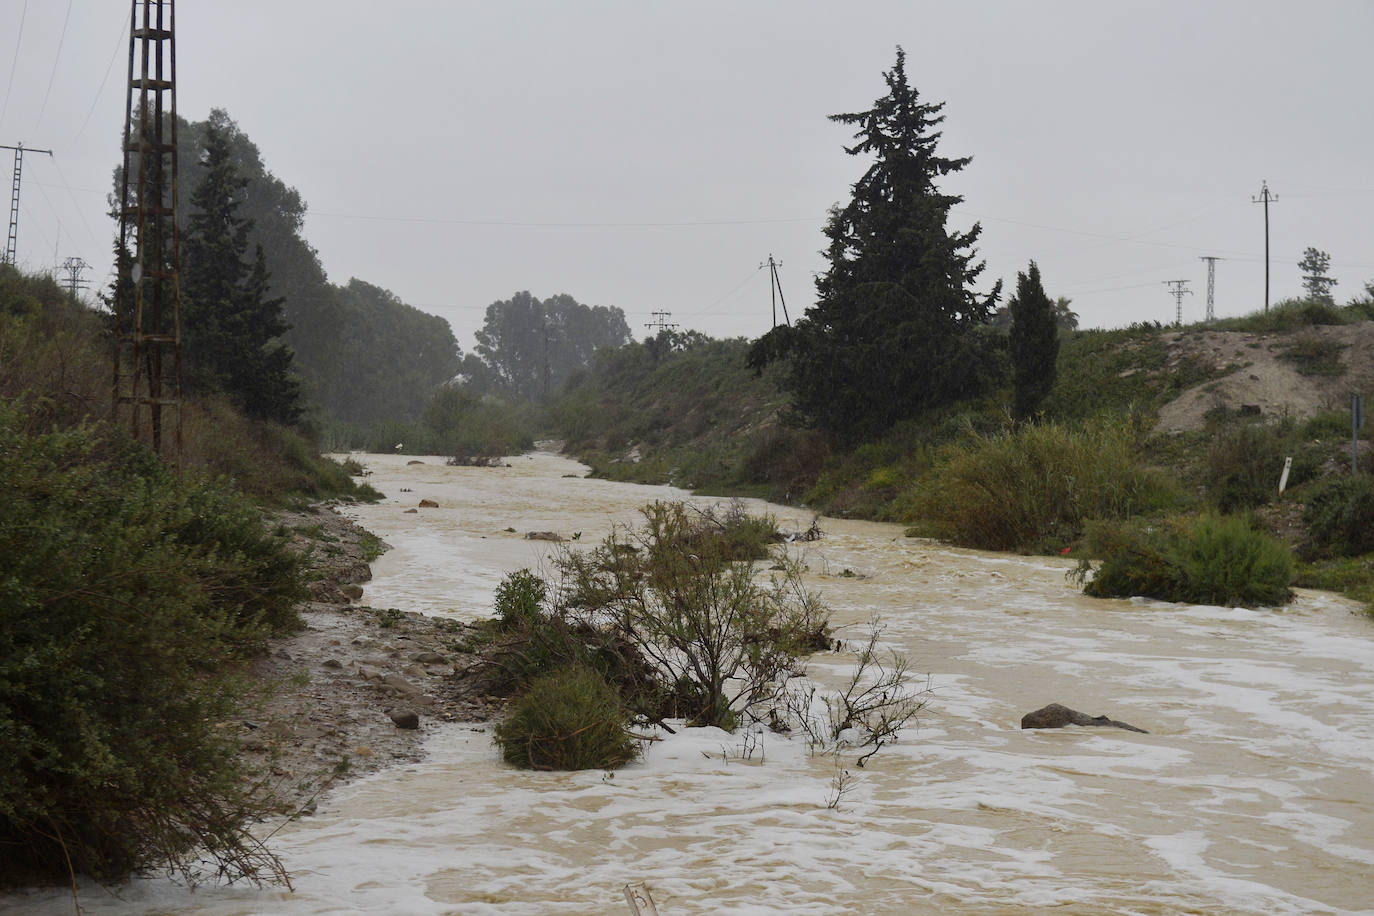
1264,198
775,290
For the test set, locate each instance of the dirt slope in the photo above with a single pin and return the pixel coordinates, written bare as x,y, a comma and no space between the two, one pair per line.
1261,377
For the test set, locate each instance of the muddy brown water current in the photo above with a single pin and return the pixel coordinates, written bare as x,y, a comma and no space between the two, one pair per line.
1250,794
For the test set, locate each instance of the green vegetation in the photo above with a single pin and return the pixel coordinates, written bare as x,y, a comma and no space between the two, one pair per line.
1034,487
698,416
231,327
1033,343
569,719
132,593
1340,516
1204,560
528,349
127,595
897,328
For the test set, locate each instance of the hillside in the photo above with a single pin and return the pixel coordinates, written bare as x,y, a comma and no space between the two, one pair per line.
1297,373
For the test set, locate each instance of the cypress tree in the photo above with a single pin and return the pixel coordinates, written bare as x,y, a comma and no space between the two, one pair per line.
894,331
1034,343
230,326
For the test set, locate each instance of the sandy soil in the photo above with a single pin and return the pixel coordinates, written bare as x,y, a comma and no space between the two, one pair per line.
340,681
1260,377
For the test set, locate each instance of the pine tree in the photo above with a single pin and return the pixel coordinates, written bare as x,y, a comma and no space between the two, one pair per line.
1034,343
231,328
1314,265
895,329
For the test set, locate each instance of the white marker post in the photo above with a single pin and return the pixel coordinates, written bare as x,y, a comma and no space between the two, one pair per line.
1283,480
641,903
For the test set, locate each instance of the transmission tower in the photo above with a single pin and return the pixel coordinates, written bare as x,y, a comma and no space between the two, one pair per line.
73,267
147,365
775,290
661,322
11,244
1211,283
1178,289
1264,198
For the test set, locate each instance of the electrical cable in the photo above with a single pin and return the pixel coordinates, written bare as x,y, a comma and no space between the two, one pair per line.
14,62
57,59
123,34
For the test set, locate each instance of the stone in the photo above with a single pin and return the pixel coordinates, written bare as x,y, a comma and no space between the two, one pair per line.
428,504
351,592
405,718
412,512
429,658
413,461
543,536
1058,716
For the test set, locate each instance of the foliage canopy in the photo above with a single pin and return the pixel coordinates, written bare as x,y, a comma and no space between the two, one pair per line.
895,329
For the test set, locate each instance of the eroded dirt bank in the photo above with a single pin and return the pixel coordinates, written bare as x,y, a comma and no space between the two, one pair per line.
356,689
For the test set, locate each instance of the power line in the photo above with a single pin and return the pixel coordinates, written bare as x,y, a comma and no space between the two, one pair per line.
57,59
661,322
14,62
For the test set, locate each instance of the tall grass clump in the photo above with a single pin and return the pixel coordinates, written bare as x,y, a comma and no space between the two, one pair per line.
128,595
1033,487
1211,559
569,719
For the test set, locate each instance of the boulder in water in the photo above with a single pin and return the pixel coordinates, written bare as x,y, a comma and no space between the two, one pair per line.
1057,716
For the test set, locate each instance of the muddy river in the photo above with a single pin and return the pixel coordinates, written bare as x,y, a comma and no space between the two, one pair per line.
1251,793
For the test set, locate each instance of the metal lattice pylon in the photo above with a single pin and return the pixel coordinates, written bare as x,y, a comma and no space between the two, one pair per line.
147,370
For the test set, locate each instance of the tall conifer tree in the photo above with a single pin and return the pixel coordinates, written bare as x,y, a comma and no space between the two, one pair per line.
232,329
1034,343
894,328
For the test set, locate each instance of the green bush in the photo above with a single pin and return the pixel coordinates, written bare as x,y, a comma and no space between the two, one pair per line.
1033,487
520,599
1207,560
1243,462
127,596
570,719
1340,516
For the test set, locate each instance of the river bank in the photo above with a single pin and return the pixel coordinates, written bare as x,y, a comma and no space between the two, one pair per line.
358,688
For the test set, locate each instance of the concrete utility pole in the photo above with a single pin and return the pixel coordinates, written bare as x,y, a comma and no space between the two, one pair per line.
1264,198
73,267
1178,289
775,290
11,245
1211,283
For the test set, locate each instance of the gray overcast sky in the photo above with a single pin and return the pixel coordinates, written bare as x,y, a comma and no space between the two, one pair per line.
651,156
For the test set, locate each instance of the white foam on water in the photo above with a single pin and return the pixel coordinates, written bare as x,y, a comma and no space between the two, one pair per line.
1250,794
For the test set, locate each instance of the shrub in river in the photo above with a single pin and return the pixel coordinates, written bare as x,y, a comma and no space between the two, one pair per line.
1032,487
1340,516
570,719
126,597
684,598
1207,560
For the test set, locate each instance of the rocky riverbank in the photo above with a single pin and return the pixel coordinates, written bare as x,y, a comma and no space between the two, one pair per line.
356,689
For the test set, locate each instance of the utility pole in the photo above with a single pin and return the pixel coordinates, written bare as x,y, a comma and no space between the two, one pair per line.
775,290
73,267
147,301
11,245
1264,198
1178,289
661,322
1211,283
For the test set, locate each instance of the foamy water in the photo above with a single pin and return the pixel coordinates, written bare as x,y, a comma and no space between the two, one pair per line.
1251,794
